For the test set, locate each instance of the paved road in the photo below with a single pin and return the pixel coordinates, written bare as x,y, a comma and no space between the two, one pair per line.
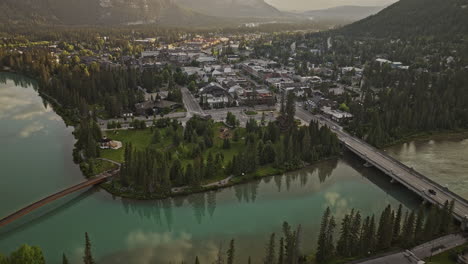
218,183
149,121
191,103
395,169
219,115
420,252
111,161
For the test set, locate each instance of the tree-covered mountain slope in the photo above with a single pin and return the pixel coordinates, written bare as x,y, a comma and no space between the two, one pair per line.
408,18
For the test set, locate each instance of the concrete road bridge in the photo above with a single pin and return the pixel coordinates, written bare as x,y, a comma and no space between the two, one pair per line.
426,188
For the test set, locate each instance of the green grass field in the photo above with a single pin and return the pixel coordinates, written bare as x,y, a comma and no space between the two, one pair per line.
251,113
142,139
447,257
139,138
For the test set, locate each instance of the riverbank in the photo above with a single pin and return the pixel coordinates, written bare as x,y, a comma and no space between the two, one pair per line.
262,172
434,135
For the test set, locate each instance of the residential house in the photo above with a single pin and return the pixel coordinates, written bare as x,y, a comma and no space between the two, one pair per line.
214,96
258,97
336,115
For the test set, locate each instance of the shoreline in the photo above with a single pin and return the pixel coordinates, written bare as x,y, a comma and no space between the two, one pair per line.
233,182
429,135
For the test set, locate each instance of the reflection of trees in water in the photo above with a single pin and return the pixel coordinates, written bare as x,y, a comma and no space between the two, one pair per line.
304,176
254,190
150,210
211,202
179,201
156,209
18,80
326,169
198,203
288,181
167,207
267,179
247,192
278,182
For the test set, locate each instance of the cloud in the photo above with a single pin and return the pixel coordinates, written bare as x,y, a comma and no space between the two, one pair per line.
339,205
30,112
163,247
18,105
31,129
167,247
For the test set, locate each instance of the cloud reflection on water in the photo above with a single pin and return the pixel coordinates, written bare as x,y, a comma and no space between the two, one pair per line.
167,247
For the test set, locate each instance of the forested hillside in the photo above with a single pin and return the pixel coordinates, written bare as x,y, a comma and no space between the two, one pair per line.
231,8
344,13
408,18
96,12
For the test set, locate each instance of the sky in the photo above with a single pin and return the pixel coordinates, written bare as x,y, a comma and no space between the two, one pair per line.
303,5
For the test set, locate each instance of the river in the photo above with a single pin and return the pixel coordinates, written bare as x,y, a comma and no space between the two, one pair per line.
36,160
443,158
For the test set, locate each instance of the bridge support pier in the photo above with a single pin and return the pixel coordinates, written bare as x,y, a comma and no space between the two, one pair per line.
367,165
464,225
392,180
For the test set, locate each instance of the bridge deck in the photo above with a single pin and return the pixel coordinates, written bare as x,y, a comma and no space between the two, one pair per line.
408,177
20,213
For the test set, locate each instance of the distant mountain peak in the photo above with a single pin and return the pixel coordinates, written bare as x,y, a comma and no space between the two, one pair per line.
232,8
407,18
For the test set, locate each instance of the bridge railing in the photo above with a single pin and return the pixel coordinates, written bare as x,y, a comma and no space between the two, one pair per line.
412,171
398,178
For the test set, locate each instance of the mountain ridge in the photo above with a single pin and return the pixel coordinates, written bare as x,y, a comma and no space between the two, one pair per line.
232,8
345,12
408,18
121,12
96,12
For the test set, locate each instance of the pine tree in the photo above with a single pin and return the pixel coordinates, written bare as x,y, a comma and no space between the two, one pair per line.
220,258
385,230
270,252
230,253
397,225
355,234
329,240
419,225
88,258
363,242
325,248
321,254
156,137
64,259
343,245
281,252
408,231
226,143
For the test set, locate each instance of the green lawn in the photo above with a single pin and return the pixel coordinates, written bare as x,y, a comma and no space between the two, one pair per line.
142,139
101,166
139,138
251,113
446,257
